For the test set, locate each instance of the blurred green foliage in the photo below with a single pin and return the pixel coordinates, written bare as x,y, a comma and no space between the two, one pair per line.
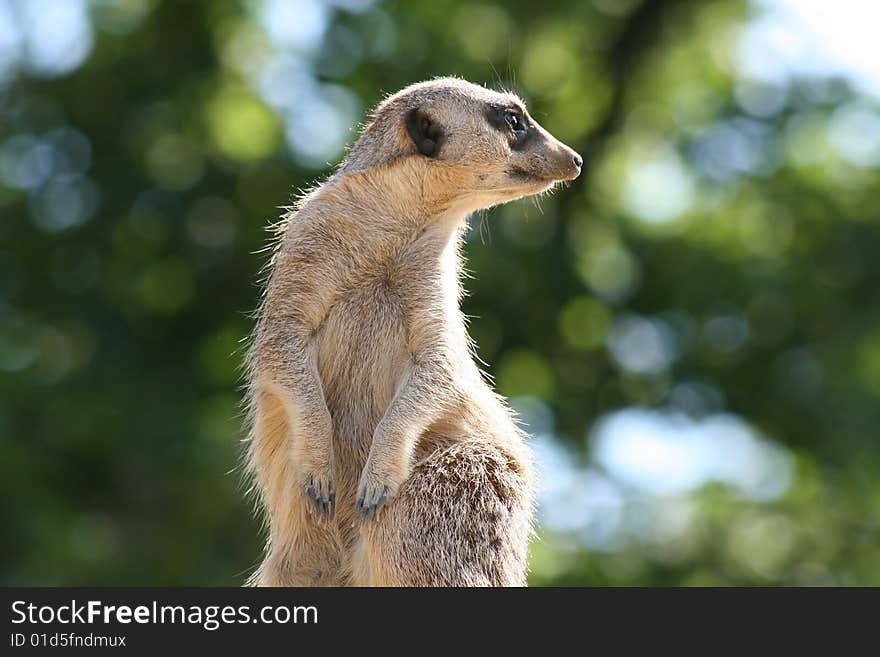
734,220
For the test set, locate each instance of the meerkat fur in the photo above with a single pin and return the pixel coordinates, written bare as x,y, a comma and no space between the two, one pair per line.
379,453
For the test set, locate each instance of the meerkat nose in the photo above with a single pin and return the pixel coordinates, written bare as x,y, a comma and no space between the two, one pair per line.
578,161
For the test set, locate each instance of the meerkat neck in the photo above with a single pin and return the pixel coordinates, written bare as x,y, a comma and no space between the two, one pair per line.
405,192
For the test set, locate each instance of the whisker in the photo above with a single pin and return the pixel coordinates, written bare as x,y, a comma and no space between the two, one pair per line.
484,222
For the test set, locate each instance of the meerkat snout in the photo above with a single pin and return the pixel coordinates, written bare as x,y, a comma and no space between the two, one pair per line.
536,154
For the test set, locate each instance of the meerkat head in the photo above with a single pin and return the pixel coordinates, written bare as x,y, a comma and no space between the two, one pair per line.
480,145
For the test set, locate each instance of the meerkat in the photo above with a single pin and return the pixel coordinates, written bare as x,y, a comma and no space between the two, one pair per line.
380,454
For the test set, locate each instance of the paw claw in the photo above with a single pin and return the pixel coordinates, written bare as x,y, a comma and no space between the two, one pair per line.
371,501
322,495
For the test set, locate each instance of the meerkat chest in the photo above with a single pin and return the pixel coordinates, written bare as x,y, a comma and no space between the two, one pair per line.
362,347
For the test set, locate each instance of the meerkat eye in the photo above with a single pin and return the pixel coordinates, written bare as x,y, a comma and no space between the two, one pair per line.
513,121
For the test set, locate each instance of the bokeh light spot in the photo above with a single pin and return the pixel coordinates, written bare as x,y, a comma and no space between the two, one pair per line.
241,126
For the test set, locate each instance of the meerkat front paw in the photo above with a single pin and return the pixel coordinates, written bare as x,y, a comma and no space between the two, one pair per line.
376,489
320,490
371,498
317,479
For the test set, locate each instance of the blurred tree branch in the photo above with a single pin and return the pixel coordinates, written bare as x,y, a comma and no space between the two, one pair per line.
638,36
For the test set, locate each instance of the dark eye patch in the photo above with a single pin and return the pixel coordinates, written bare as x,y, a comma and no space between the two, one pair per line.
512,121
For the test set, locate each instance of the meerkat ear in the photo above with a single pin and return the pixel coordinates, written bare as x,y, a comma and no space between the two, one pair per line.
426,134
